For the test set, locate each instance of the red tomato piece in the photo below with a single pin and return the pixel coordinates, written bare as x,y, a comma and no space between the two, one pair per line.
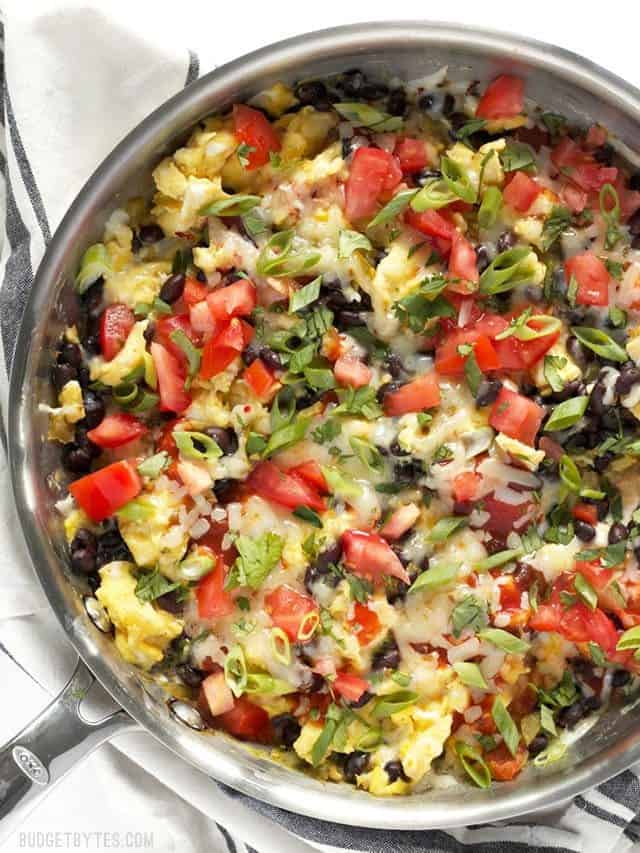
449,361
312,474
290,611
466,485
352,372
596,136
411,154
578,623
575,199
502,765
503,98
368,554
259,378
235,300
592,277
350,687
516,416
272,484
246,721
521,192
116,430
591,177
171,379
166,326
400,522
503,517
219,352
365,623
394,175
116,322
515,354
431,223
371,172
585,512
194,292
568,153
107,490
253,129
214,601
462,264
416,396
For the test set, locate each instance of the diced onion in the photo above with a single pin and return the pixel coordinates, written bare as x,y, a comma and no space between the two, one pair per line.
464,651
472,714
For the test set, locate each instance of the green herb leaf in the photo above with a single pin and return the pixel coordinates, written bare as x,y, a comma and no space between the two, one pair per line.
630,639
473,764
470,674
553,364
569,473
367,453
352,241
610,212
308,294
435,577
309,515
340,485
558,221
359,401
469,128
504,640
472,372
506,271
555,123
505,725
433,195
444,527
258,556
585,591
192,353
363,115
566,414
393,208
470,613
278,258
151,585
286,436
243,151
546,720
498,559
327,431
391,703
254,223
234,205
419,307
490,207
457,180
617,317
562,695
517,155
601,343
597,655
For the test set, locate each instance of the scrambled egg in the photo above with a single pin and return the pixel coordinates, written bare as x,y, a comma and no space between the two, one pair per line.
143,630
130,357
71,410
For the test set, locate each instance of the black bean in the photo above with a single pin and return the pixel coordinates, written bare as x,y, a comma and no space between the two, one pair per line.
620,677
265,353
348,320
387,388
448,105
61,374
596,399
191,676
397,102
534,293
93,408
395,771
170,602
83,550
579,353
633,224
314,683
76,459
590,704
226,439
70,354
173,288
312,92
425,102
629,376
583,530
506,240
387,656
352,82
408,470
355,763
569,717
320,568
393,363
308,399
482,258
602,462
374,91
571,389
92,299
222,488
111,546
367,696
604,154
463,507
617,533
150,233
396,590
539,743
426,175
634,181
396,450
286,729
488,391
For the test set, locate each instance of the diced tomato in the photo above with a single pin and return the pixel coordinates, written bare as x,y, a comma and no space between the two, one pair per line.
401,520
368,554
575,199
503,98
332,345
107,490
585,512
350,687
312,474
246,721
116,430
214,601
365,622
567,153
592,278
166,326
503,517
201,320
235,300
372,172
591,177
116,322
521,192
449,361
510,594
490,324
411,154
253,129
596,137
462,264
352,372
219,352
259,378
516,416
629,199
577,623
272,484
431,223
515,354
194,292
416,396
289,611
502,765
466,485
171,379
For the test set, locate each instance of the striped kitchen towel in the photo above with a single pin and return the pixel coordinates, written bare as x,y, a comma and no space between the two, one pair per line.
79,97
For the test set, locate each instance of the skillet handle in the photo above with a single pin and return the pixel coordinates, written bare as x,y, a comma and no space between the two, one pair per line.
40,755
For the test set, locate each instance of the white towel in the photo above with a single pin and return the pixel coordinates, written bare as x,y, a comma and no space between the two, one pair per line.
76,80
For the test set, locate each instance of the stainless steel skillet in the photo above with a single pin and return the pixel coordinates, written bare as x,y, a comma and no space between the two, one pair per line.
562,82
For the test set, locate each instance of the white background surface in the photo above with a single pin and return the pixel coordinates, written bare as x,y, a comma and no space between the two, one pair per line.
109,792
